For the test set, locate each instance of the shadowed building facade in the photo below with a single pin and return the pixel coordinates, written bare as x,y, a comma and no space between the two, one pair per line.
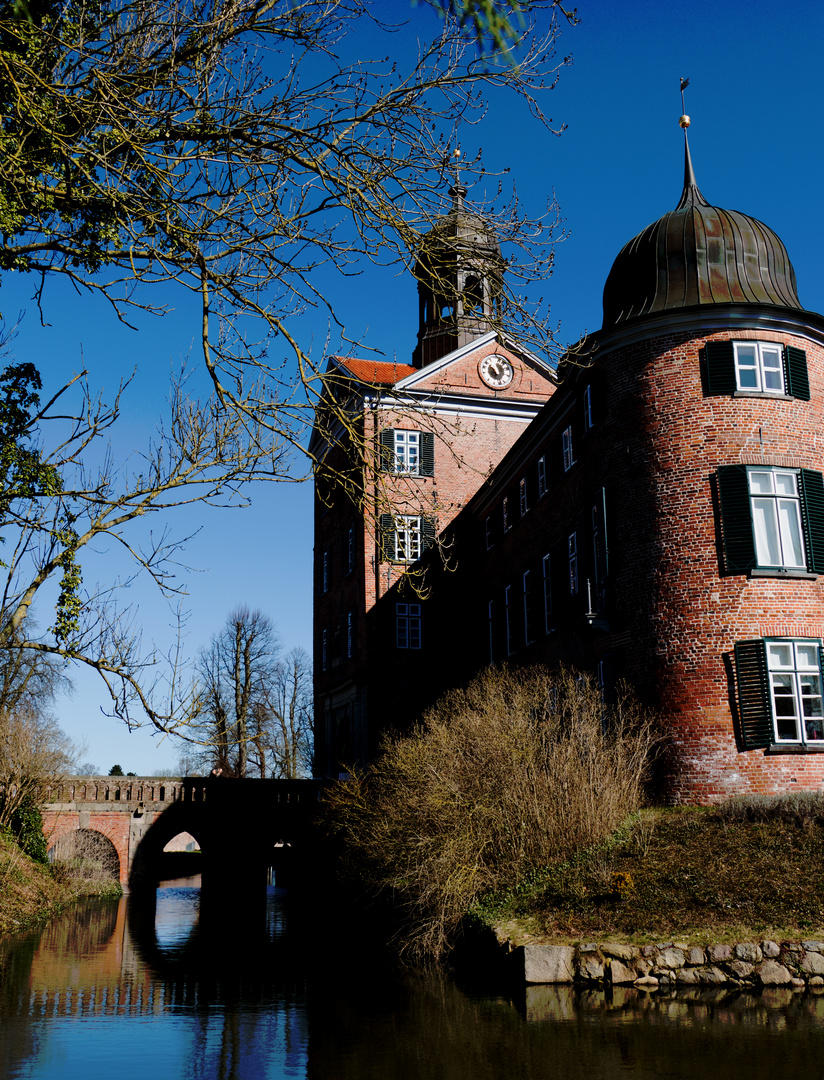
662,518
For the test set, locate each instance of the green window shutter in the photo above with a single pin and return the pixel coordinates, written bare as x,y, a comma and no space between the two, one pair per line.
754,710
428,533
720,357
427,453
795,367
388,450
812,502
386,538
736,519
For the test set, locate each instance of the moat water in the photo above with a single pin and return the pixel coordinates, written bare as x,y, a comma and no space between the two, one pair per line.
104,992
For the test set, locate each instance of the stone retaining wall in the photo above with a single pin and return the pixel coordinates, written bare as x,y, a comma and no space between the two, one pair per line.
797,964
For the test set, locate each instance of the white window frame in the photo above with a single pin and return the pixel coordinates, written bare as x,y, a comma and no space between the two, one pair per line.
522,496
796,699
759,367
777,523
573,564
488,533
505,511
566,442
588,423
408,628
408,537
350,550
325,571
542,488
350,634
324,648
407,452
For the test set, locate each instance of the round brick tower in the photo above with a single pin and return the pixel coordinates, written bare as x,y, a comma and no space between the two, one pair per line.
712,457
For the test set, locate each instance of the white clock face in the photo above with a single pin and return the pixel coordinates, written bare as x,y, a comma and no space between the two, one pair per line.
496,371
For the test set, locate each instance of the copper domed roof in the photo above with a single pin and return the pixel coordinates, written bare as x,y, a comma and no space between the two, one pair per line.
698,254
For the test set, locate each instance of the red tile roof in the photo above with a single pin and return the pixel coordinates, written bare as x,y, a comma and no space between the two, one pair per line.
375,371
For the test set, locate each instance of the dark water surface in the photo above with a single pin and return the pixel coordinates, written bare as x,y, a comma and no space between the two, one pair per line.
106,992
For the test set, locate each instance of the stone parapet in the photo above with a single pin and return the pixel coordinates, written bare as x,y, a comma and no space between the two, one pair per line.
670,965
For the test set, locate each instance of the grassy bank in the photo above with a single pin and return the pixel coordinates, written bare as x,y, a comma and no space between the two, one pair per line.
749,870
30,892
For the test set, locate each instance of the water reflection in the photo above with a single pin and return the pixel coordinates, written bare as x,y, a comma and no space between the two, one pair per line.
107,991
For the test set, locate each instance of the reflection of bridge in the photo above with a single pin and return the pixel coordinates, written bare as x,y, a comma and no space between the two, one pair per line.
242,827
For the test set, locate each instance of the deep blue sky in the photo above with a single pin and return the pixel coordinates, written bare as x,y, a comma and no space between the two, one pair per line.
756,138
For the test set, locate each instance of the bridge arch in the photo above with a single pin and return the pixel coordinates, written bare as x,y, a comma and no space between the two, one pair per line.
92,853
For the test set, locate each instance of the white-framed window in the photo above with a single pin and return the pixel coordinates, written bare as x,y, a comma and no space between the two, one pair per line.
759,367
510,636
588,421
407,538
547,584
488,533
350,550
522,496
541,476
407,452
325,571
324,649
566,442
408,626
776,518
350,634
772,519
573,564
795,690
506,514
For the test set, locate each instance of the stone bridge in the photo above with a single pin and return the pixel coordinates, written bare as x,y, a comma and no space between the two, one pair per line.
242,827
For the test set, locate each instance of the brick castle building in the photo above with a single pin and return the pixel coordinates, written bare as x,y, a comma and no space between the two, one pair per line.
653,512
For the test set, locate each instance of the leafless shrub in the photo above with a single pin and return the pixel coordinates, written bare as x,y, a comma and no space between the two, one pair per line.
518,770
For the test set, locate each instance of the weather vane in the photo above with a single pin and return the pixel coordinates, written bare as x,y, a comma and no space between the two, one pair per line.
685,120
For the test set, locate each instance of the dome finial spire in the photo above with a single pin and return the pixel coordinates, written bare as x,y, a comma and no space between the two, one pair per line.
690,195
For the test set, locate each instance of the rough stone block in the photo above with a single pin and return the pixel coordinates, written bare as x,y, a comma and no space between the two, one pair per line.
549,963
710,975
687,976
749,952
695,956
812,963
619,952
739,969
717,954
770,949
813,946
771,973
647,982
590,969
672,958
622,973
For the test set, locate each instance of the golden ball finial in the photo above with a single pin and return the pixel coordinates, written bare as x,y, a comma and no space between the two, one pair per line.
684,121
456,153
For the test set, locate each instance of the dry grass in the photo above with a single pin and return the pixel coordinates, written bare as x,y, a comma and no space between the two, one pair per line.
514,771
30,892
749,869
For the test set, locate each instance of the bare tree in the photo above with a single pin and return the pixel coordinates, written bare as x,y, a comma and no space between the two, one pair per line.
230,150
201,453
33,748
233,149
236,673
287,720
